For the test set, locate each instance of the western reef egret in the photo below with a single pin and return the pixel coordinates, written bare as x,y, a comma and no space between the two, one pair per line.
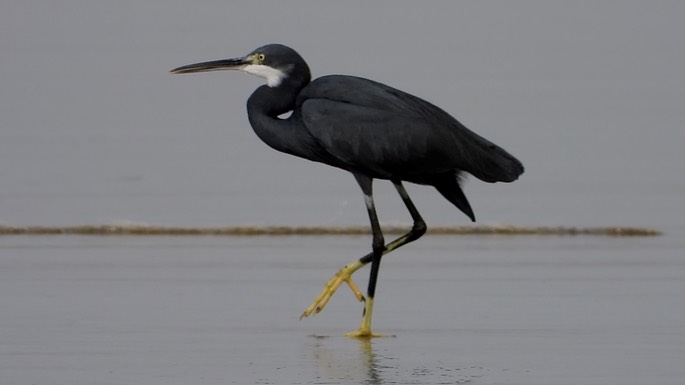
374,132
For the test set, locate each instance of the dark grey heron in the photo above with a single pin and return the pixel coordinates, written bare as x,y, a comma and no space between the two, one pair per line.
374,132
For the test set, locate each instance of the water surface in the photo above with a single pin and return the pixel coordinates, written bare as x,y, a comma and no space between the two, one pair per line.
468,309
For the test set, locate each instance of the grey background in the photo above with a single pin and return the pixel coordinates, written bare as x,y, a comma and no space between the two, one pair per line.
93,129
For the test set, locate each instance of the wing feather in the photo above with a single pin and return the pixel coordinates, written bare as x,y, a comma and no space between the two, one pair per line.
384,132
373,141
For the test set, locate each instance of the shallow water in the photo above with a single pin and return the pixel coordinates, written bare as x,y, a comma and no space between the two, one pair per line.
465,309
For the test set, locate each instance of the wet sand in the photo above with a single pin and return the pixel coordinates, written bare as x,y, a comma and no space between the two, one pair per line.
459,309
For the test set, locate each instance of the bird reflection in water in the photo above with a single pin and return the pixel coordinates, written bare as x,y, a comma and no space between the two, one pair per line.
362,365
381,361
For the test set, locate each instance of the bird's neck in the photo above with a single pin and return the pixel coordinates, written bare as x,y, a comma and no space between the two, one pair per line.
270,102
263,109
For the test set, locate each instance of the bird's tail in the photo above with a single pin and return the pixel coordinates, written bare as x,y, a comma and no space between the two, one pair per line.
491,163
448,186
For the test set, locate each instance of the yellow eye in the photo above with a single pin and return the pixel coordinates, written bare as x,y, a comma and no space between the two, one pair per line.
261,57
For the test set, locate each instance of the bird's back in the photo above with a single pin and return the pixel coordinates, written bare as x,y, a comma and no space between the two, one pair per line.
388,133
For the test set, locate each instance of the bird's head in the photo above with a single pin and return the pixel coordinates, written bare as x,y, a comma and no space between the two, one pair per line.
274,62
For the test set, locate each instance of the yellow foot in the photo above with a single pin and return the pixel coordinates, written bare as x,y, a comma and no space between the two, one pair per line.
343,275
364,330
361,333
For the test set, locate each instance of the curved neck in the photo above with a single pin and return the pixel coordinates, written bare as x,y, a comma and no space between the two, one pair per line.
263,108
270,102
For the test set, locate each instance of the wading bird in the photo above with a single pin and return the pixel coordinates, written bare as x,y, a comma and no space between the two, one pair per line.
371,130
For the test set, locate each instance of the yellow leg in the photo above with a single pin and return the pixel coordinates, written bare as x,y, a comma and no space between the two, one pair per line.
364,330
343,275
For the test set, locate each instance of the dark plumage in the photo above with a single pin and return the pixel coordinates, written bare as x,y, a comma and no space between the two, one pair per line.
371,130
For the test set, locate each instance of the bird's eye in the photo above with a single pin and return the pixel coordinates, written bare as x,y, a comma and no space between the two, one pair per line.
261,57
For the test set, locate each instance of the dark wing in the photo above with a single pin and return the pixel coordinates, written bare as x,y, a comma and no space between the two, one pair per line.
387,133
379,143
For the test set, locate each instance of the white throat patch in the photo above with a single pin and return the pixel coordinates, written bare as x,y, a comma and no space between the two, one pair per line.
273,76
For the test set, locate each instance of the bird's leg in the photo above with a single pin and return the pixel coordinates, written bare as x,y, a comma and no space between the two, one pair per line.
378,249
344,275
417,230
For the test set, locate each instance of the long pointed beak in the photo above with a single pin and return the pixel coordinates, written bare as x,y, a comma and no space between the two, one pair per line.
215,65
